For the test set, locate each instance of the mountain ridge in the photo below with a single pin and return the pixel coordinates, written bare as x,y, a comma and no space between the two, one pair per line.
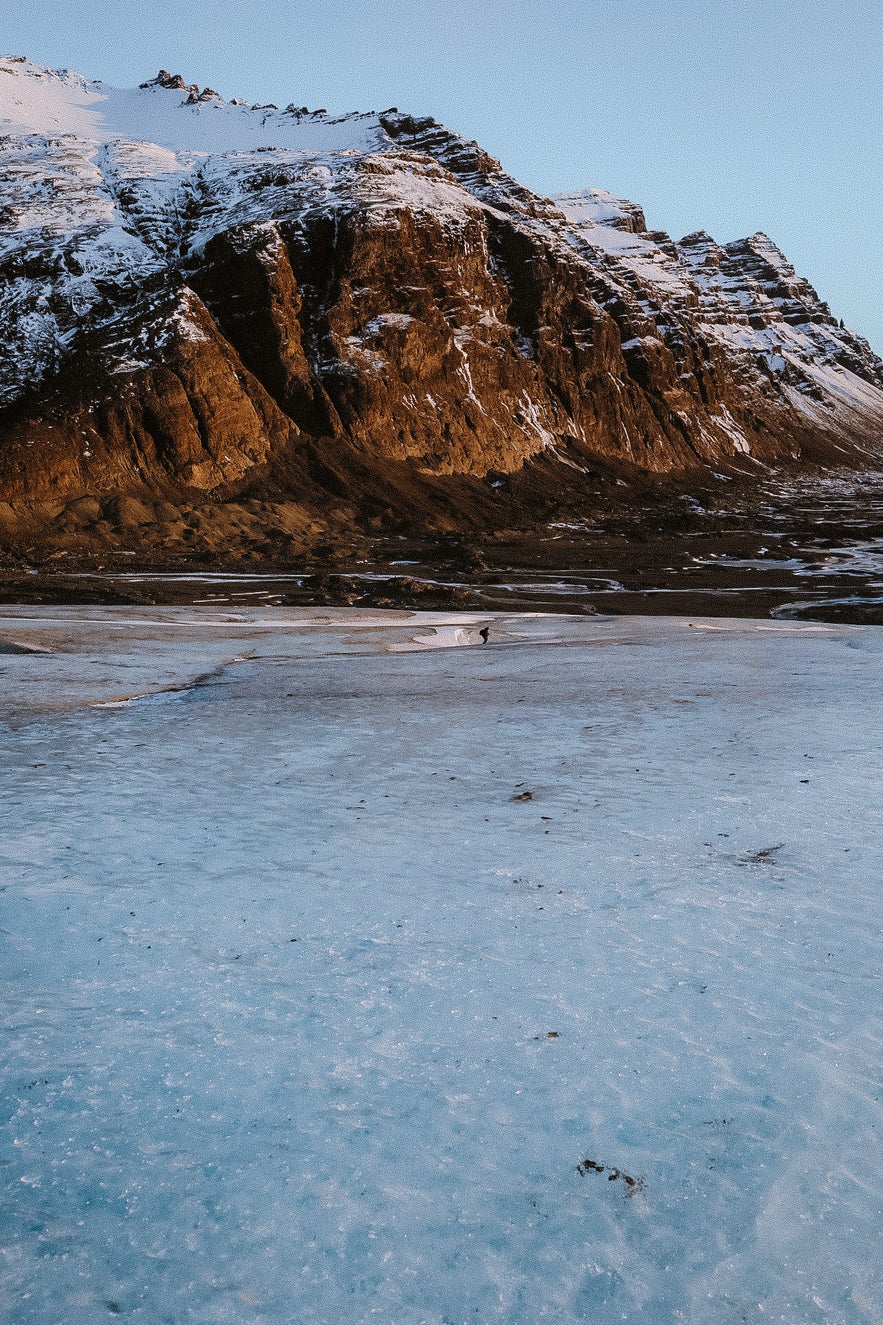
364,320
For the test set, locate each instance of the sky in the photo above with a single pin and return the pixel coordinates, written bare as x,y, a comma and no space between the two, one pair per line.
730,116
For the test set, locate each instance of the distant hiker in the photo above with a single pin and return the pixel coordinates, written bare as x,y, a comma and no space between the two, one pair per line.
484,632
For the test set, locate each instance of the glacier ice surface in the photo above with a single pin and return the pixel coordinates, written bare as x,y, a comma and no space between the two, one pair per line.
311,1015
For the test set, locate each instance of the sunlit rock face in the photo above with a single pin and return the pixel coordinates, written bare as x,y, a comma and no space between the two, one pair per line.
364,316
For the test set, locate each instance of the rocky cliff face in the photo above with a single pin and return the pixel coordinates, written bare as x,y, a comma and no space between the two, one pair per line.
219,318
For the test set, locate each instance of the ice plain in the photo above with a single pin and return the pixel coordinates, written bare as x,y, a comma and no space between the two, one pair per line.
343,973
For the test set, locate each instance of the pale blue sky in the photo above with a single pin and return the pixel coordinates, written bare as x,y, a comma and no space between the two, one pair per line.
730,117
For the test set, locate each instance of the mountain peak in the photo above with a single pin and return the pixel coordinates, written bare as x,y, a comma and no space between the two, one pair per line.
166,111
202,297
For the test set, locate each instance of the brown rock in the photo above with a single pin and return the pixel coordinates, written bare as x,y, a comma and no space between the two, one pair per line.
415,340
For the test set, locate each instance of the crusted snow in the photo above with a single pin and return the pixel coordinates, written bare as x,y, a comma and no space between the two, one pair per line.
597,207
38,100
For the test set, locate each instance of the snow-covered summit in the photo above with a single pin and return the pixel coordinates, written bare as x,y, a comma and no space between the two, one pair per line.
101,188
165,111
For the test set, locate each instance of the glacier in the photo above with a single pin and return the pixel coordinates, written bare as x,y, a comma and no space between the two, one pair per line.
355,969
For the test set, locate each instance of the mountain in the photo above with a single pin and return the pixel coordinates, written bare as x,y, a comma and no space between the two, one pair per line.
228,326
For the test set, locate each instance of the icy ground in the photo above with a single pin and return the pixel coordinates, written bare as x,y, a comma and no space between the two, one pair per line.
313,1015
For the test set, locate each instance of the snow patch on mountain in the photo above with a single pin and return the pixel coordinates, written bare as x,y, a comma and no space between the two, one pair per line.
38,100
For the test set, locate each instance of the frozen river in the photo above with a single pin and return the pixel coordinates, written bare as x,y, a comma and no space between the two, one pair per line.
355,970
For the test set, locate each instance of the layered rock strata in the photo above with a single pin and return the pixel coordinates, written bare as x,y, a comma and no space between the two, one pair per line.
211,312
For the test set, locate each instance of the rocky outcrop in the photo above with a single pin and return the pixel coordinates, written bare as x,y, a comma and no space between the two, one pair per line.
174,82
365,320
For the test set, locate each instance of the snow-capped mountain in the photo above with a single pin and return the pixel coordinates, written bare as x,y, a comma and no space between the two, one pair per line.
201,299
